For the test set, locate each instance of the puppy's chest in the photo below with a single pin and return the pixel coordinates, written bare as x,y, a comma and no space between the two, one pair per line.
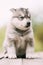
20,43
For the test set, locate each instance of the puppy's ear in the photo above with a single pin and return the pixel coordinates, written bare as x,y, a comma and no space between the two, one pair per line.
13,10
29,14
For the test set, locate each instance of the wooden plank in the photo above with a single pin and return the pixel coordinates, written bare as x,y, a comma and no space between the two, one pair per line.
11,62
21,61
37,59
33,62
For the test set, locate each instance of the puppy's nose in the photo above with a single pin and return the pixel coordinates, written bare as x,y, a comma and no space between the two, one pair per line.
28,24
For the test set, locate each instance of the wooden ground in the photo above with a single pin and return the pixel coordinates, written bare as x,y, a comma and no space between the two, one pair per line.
37,60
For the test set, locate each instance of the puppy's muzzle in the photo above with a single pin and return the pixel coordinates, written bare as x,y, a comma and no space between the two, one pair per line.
28,24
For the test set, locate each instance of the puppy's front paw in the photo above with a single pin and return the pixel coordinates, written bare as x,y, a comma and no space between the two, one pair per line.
30,55
12,56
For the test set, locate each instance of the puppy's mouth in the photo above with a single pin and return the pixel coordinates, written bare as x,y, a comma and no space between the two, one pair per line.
24,28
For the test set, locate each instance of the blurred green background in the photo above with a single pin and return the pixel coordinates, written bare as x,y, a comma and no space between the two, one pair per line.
2,36
38,35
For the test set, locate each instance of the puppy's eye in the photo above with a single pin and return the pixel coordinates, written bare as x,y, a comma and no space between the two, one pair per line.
29,17
21,18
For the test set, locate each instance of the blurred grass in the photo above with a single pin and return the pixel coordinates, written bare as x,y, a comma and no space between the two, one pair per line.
2,35
38,45
38,35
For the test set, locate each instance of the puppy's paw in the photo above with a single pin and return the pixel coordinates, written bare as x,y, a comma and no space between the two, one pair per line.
30,56
12,56
6,55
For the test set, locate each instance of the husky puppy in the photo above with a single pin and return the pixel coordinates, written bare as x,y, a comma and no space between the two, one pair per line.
19,39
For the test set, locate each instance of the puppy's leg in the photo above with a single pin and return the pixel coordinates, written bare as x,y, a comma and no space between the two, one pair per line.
10,51
30,45
29,52
30,49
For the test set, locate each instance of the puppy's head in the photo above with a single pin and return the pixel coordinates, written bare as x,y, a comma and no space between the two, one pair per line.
21,18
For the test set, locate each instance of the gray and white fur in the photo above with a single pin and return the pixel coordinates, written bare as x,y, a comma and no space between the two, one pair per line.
19,39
